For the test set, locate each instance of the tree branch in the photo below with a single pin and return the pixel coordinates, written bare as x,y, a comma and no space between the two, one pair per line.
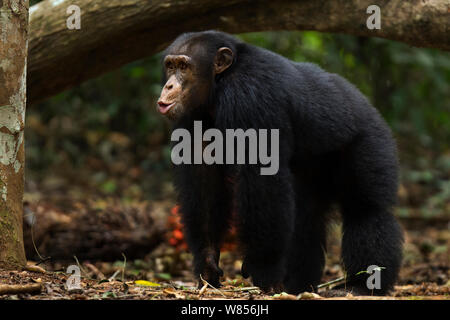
116,32
20,288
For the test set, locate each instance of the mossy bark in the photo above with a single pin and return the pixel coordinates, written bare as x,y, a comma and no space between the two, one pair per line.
13,66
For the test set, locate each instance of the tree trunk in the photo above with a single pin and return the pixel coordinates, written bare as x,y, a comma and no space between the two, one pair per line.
13,55
116,32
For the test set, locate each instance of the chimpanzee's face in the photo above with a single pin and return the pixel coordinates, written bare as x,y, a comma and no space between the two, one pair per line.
190,74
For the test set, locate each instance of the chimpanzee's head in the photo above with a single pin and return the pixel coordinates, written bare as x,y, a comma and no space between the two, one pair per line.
191,64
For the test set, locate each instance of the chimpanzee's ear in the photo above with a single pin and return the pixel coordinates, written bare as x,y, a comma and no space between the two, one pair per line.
223,59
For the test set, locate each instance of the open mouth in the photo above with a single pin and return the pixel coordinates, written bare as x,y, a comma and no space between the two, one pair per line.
165,107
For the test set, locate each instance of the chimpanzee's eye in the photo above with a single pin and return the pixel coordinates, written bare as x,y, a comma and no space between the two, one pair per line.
182,65
169,65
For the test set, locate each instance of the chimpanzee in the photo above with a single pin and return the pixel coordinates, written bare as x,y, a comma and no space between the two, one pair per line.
335,151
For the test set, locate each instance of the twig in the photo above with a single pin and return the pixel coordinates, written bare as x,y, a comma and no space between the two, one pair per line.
243,289
126,296
79,266
33,222
43,260
203,289
20,288
124,266
95,270
208,284
114,276
329,283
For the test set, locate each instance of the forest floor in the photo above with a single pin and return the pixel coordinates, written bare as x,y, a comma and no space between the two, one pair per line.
129,246
164,273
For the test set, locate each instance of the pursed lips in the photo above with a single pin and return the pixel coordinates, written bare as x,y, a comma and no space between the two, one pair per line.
165,107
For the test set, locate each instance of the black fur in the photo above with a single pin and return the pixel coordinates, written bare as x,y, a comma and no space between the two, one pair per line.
334,149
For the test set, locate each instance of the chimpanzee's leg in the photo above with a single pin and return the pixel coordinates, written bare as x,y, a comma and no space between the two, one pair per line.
371,235
306,258
265,209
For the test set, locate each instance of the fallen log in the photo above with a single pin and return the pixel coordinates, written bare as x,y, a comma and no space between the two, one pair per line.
90,232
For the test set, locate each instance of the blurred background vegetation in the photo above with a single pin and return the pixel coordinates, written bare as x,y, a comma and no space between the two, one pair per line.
106,136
